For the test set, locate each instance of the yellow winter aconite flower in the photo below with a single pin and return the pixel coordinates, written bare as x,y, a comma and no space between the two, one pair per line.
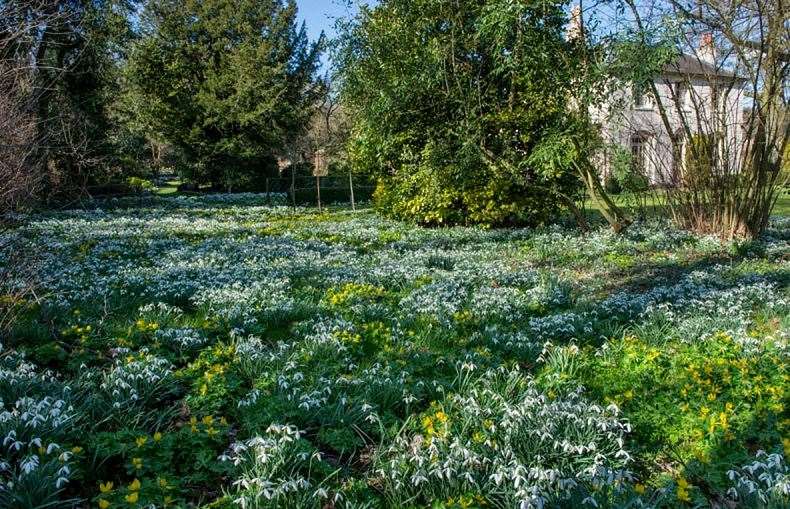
76,449
162,482
140,441
132,497
105,487
682,491
208,420
786,445
639,488
135,485
103,504
138,463
157,436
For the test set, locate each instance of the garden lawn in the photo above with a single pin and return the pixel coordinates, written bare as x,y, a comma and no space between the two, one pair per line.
219,352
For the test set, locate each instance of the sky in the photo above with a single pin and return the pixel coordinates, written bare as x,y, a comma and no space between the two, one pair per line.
321,15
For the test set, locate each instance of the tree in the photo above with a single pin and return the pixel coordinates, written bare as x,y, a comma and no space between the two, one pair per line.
227,82
727,165
450,101
58,60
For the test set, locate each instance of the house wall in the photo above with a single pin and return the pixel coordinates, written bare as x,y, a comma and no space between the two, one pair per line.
621,120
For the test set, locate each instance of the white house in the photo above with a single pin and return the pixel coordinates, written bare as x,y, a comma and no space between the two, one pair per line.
699,97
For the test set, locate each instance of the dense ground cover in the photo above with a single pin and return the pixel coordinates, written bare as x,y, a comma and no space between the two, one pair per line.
212,350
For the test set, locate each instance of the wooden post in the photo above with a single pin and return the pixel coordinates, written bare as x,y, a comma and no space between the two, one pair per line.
320,169
351,186
293,187
318,191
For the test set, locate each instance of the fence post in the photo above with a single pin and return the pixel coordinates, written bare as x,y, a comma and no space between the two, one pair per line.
318,191
268,195
293,188
351,186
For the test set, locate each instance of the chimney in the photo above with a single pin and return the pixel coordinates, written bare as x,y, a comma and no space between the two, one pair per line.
575,30
707,49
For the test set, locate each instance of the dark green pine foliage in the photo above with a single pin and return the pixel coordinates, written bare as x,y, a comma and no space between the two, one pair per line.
450,101
228,82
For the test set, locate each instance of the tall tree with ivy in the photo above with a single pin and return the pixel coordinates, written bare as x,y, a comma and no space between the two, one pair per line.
227,82
59,63
451,100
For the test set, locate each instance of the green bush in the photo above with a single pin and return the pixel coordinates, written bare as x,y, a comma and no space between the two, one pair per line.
444,186
700,156
445,150
625,177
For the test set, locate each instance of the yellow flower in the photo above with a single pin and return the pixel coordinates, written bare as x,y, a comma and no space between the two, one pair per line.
157,436
141,441
132,497
786,445
76,449
135,486
193,420
441,416
223,421
105,487
162,482
682,483
683,495
168,500
138,463
103,504
208,420
639,488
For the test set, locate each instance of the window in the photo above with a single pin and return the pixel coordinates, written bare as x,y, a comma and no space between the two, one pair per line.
639,147
681,95
640,97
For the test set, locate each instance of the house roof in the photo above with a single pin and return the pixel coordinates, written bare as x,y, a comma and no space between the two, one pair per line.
691,65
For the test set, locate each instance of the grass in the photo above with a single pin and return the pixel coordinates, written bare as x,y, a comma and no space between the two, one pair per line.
209,350
169,188
653,205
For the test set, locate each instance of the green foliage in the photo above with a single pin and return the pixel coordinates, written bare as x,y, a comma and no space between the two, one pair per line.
700,157
700,403
228,83
399,354
140,185
63,60
448,112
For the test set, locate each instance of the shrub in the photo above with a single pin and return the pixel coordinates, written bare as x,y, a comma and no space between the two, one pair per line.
700,157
